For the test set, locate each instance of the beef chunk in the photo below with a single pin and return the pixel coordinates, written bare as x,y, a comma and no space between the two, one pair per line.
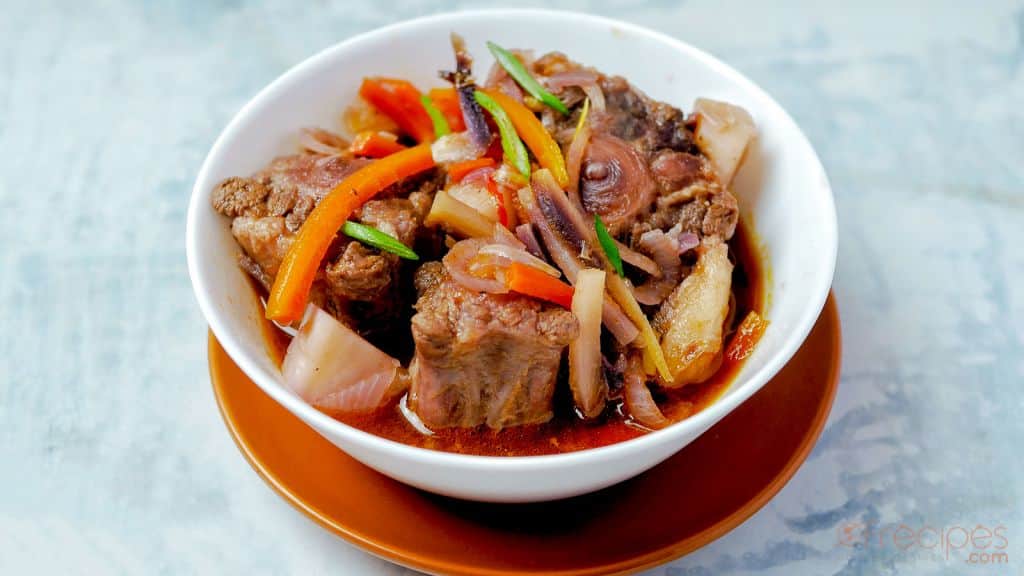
688,189
705,210
483,358
265,240
360,273
240,196
364,274
677,170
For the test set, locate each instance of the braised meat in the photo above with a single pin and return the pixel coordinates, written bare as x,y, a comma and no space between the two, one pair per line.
268,208
483,358
687,190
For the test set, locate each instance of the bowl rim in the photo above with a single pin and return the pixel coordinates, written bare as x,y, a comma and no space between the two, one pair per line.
703,420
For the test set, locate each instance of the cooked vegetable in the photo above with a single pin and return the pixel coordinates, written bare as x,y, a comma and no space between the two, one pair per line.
555,206
746,337
634,258
690,321
639,402
377,239
555,223
566,237
362,116
574,156
511,145
477,196
538,284
359,380
400,100
447,101
375,144
611,250
499,200
665,252
290,290
616,321
516,70
454,148
459,261
320,141
465,88
483,265
459,170
532,132
585,79
586,376
439,121
723,132
616,182
524,232
457,217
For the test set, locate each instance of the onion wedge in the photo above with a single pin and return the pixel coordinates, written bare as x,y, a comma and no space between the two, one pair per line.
359,380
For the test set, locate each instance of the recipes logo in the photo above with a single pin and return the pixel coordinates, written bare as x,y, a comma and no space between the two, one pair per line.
978,545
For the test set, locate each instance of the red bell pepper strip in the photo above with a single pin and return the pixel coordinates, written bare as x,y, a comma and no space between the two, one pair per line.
400,101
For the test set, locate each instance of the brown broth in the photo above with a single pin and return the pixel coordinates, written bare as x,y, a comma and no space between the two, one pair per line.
565,432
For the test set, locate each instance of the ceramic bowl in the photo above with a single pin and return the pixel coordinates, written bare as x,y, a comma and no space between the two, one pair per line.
783,190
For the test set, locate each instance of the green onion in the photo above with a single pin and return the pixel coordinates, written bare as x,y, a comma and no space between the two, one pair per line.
608,244
511,145
520,74
440,124
377,239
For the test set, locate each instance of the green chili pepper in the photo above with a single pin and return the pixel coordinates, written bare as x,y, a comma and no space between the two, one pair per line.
511,145
440,124
608,244
520,74
377,239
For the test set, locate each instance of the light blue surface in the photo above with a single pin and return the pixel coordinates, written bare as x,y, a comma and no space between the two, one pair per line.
115,460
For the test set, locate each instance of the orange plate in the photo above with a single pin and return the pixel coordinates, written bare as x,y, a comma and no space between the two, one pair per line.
707,489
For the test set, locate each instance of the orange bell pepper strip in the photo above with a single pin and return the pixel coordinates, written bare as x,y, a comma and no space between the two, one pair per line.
374,144
747,336
530,281
447,101
288,295
533,134
458,170
400,101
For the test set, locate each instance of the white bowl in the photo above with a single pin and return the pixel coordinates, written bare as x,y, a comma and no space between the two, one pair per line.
782,187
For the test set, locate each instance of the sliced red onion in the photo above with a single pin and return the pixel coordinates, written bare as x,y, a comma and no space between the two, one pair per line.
524,232
458,261
502,235
616,321
666,254
639,402
574,160
506,255
565,255
634,258
585,79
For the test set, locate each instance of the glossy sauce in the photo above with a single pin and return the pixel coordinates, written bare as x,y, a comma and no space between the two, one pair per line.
565,432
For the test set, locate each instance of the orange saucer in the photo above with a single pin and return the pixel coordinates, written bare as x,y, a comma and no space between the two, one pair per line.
701,493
